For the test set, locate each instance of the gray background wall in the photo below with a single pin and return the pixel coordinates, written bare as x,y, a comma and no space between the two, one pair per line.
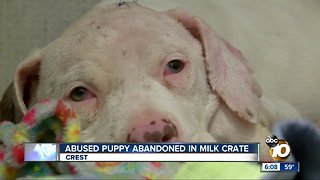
259,28
28,24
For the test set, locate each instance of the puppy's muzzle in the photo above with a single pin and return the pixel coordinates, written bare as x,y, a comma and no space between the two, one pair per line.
153,128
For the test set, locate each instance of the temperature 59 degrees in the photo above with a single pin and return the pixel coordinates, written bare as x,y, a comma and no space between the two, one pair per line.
288,166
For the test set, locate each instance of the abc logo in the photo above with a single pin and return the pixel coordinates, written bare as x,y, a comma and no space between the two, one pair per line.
279,148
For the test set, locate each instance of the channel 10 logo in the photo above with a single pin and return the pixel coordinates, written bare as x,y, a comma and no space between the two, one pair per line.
279,148
40,152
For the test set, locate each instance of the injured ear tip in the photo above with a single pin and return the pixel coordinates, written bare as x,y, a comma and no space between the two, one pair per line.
249,113
252,120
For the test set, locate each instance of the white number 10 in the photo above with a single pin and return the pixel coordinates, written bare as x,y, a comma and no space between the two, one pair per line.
44,150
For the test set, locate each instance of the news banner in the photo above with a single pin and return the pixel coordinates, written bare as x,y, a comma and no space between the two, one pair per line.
161,152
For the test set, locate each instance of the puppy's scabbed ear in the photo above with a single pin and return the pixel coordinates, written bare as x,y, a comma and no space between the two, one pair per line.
22,90
228,72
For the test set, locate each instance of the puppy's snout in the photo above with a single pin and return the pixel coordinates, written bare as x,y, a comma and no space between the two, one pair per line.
153,128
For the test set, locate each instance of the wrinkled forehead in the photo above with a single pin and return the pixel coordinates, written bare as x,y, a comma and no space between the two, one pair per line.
126,31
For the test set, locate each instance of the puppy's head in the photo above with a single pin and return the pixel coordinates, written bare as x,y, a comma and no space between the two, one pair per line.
137,75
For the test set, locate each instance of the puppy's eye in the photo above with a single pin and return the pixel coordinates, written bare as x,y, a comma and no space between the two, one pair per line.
80,94
174,66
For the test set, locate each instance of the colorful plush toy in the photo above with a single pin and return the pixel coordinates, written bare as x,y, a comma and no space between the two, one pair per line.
55,121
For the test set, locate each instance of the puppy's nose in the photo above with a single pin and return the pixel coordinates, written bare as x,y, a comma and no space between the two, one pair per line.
153,129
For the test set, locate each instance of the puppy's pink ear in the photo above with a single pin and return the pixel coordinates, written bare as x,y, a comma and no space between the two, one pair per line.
19,94
229,74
